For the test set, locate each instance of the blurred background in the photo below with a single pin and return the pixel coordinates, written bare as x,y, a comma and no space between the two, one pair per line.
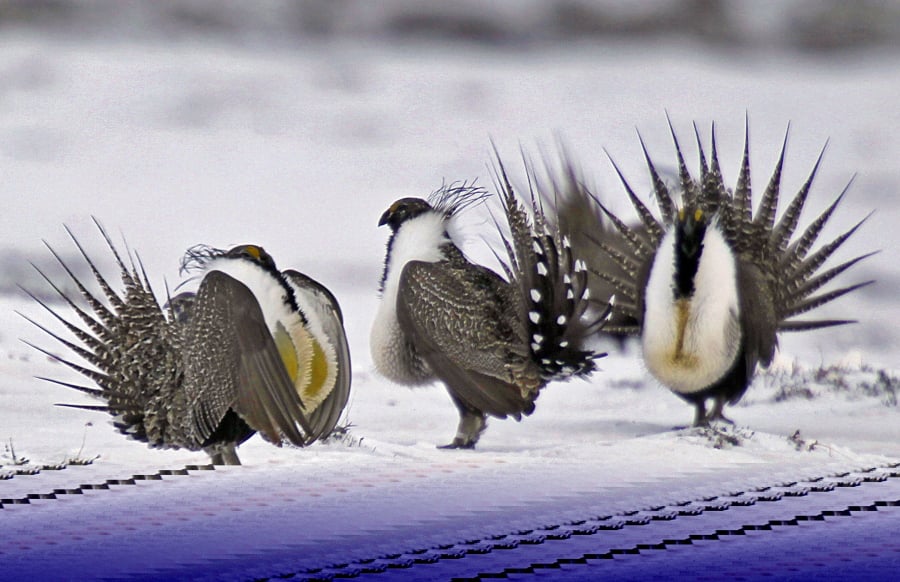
804,25
294,124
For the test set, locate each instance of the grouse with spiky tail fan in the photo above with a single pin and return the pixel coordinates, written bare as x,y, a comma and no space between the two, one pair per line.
252,350
710,284
493,342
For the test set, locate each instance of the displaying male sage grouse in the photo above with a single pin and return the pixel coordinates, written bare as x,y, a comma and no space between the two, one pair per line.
710,285
252,350
493,342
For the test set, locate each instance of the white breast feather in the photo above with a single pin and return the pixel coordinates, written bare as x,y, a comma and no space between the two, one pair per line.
418,239
272,299
712,333
268,292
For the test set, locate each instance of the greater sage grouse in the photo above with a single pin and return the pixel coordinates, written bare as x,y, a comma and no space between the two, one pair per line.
252,350
493,342
710,284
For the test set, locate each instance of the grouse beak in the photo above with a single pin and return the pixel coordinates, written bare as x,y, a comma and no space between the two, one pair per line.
385,217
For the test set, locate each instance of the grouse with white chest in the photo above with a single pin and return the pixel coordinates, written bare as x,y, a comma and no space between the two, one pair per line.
252,350
493,341
711,284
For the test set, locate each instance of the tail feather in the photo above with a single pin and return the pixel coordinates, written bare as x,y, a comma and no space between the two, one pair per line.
819,300
97,407
663,198
142,307
810,325
623,307
622,286
121,341
812,263
768,204
97,326
113,297
87,339
654,228
711,181
704,169
552,284
689,193
623,330
810,286
96,377
640,247
575,284
86,354
93,392
627,309
622,260
715,169
742,191
788,223
797,250
518,249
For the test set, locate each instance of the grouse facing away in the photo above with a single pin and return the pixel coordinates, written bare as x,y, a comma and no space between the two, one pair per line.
252,350
710,285
493,342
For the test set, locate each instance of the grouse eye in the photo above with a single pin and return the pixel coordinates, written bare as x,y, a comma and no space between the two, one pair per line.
396,215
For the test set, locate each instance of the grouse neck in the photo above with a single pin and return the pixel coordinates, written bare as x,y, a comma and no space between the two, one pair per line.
276,299
419,239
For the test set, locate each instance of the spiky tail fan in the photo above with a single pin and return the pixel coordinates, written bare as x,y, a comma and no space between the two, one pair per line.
126,343
552,284
792,272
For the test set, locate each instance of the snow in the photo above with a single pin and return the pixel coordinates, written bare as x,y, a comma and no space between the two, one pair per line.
300,149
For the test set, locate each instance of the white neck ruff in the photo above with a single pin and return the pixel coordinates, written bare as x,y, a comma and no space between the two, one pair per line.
419,239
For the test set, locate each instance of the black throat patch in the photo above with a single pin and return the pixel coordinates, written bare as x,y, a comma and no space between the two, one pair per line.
689,233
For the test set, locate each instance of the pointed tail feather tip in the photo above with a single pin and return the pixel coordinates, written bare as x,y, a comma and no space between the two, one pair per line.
95,407
810,325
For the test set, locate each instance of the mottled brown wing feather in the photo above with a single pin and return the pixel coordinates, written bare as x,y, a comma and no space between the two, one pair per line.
231,361
462,321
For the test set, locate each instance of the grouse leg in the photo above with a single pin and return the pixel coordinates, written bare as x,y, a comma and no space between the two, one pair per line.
471,424
716,413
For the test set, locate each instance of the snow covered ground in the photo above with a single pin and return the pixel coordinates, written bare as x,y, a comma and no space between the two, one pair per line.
300,148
